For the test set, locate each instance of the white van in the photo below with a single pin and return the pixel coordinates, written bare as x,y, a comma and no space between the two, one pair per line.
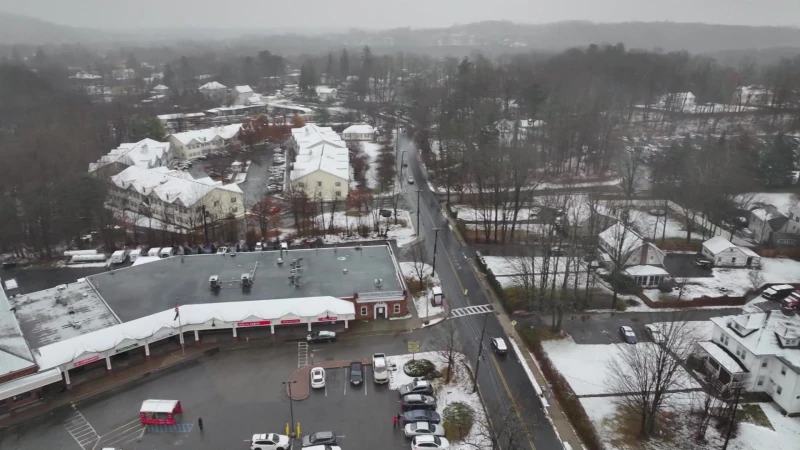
777,292
135,253
154,251
119,257
166,252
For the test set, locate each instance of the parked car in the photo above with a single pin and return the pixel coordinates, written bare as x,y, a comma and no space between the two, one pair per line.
556,251
423,429
259,247
421,415
627,334
320,438
657,212
417,387
777,292
321,336
269,441
499,346
317,378
410,180
703,262
418,401
429,442
655,333
356,373
792,301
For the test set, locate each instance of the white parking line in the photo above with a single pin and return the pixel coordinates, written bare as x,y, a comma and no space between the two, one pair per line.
365,381
345,381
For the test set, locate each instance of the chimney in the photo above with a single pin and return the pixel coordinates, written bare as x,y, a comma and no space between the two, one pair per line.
643,255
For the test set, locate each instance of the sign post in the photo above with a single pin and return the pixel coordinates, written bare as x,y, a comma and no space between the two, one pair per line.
413,348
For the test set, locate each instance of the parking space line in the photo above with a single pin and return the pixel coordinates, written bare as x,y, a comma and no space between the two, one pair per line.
365,380
81,430
345,381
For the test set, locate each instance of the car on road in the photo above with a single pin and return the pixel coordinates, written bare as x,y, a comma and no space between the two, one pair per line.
499,346
556,251
321,336
416,387
657,212
269,441
317,377
627,334
259,247
356,373
410,180
421,415
429,442
655,333
418,401
703,262
423,429
320,438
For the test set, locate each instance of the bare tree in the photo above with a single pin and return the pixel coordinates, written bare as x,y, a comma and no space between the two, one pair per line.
499,428
629,169
448,344
417,253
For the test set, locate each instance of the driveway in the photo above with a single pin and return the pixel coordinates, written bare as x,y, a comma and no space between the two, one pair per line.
681,265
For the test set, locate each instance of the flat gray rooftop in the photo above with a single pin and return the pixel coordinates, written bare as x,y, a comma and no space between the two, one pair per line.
60,313
138,291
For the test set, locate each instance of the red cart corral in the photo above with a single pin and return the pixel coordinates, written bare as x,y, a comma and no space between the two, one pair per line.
159,412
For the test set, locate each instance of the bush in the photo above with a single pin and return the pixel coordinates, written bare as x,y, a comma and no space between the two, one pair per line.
457,420
666,285
621,305
418,367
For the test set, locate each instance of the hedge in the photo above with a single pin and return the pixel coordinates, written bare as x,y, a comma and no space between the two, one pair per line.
418,367
570,403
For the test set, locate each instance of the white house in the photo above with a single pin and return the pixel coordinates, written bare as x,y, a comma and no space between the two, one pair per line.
759,352
173,197
214,90
642,260
677,101
243,94
191,144
325,93
772,226
723,252
359,132
322,163
123,74
147,154
519,129
753,95
160,90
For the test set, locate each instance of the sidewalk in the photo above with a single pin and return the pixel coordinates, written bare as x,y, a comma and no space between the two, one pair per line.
560,422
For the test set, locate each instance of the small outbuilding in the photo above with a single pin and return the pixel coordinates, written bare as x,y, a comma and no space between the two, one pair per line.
724,253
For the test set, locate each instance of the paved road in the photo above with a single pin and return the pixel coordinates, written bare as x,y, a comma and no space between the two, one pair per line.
504,384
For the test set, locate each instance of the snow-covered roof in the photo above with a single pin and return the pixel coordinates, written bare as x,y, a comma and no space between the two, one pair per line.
85,76
717,244
160,87
612,236
722,357
361,128
645,271
145,259
327,158
244,89
760,332
208,134
26,384
146,153
211,86
169,185
166,117
107,339
15,354
325,90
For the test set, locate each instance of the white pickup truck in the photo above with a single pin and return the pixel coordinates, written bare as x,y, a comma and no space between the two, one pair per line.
380,369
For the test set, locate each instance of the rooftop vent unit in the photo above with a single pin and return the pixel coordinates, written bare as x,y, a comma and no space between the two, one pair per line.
75,324
61,301
378,283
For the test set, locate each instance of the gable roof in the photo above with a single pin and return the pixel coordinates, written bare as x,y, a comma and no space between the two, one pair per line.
212,85
208,134
718,244
169,185
244,89
760,334
145,153
361,128
630,239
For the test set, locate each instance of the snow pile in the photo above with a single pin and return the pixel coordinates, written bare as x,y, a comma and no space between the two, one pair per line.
460,391
421,302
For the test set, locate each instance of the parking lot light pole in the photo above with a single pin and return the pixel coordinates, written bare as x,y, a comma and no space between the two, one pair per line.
480,351
291,406
435,241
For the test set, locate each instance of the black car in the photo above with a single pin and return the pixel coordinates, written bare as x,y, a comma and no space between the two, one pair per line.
321,336
421,415
320,438
418,401
356,373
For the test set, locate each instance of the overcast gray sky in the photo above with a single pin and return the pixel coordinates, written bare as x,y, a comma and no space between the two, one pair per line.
315,14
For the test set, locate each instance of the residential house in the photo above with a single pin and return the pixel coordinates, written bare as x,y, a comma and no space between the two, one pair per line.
759,352
147,154
322,163
359,132
123,74
519,129
753,95
724,253
214,90
243,94
677,101
326,94
172,198
642,261
192,144
772,227
160,90
291,89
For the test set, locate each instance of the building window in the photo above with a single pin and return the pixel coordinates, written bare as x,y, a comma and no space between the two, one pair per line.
363,310
338,193
396,309
319,183
760,381
235,209
233,199
779,390
733,260
338,183
763,364
783,370
216,202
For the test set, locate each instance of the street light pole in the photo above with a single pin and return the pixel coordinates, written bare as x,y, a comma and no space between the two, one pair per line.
480,351
418,191
291,406
435,241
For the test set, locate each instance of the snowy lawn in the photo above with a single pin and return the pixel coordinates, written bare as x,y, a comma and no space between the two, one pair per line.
507,270
651,226
372,150
421,302
347,227
459,390
586,367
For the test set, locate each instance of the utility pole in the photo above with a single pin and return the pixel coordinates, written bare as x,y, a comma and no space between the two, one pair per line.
205,224
480,351
435,241
291,405
418,191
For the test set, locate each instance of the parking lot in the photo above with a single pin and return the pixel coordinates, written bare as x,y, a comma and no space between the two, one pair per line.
238,393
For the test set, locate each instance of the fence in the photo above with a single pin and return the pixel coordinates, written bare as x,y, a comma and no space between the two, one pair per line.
777,252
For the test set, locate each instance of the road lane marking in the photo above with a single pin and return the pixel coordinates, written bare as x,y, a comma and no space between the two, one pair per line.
345,381
513,400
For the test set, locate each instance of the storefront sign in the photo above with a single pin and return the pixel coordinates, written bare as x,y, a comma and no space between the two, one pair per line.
290,321
83,362
254,323
126,348
328,319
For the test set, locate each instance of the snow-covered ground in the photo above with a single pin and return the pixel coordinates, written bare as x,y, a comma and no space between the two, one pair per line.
403,234
507,270
571,185
651,226
586,367
460,391
421,302
372,150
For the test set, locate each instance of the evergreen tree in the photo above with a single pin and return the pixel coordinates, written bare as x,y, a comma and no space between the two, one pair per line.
777,163
308,80
168,79
344,65
329,70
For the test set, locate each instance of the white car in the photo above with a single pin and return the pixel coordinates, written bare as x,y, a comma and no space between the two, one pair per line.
423,429
655,333
270,441
317,377
410,180
222,250
429,442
